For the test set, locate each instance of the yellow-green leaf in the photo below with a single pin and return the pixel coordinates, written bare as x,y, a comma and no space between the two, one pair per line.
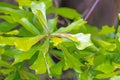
57,40
23,44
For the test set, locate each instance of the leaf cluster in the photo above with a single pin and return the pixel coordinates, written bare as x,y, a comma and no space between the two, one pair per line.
27,36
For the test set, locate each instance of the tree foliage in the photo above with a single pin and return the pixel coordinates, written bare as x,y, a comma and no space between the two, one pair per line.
26,35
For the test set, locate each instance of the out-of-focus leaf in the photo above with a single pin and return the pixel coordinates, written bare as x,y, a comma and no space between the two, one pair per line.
99,59
38,8
25,55
29,26
26,3
115,78
6,71
25,33
48,3
56,70
107,30
85,76
109,75
23,44
27,75
116,58
13,32
4,4
4,64
73,26
10,77
83,40
106,67
32,76
52,23
5,26
67,12
16,14
1,50
7,18
7,41
105,45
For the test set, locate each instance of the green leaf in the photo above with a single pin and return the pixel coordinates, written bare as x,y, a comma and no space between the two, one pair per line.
16,14
2,50
25,55
29,26
105,45
4,64
4,4
41,64
13,32
5,26
24,2
38,8
23,44
57,41
6,71
85,76
52,23
106,67
109,75
67,12
70,60
116,58
10,77
99,59
56,70
72,27
25,33
48,3
27,75
106,30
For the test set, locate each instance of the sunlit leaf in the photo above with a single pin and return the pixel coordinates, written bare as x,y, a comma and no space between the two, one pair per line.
23,44
57,40
84,40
